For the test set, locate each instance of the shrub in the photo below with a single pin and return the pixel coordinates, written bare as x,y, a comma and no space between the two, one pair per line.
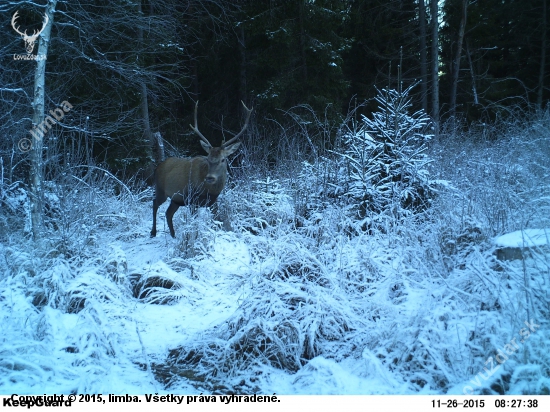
386,161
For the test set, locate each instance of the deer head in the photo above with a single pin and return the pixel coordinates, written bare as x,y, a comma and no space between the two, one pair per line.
29,40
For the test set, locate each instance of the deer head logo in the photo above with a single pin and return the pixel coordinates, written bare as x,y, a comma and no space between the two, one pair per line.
29,40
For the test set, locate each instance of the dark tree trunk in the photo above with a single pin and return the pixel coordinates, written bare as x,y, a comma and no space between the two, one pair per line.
542,54
152,148
474,88
302,11
242,49
434,8
457,57
423,54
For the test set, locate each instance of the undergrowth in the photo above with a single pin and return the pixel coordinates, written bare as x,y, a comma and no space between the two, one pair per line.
301,284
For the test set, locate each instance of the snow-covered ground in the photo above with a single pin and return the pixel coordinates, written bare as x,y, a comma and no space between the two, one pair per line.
302,297
528,238
280,311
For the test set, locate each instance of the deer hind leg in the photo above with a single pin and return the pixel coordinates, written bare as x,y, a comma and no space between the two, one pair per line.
156,205
170,214
158,200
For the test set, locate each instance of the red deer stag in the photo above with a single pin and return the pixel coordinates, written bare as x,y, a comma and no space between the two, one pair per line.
193,181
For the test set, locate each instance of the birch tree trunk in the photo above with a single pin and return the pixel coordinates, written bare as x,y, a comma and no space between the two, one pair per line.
36,170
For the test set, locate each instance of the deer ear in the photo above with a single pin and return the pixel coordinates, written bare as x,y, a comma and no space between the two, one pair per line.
206,147
229,150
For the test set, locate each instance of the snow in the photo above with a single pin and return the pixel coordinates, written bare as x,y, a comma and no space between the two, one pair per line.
527,238
104,347
302,297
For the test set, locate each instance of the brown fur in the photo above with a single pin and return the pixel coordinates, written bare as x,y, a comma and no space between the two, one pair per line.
194,181
190,181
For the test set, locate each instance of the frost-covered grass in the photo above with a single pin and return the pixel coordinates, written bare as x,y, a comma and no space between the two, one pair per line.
298,298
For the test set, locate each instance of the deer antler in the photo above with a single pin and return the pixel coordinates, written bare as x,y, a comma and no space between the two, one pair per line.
29,40
13,19
196,128
25,35
248,112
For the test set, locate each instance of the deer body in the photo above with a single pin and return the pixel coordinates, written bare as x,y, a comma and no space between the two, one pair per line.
194,181
184,181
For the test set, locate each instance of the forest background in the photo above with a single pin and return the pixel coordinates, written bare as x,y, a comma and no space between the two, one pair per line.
390,203
131,69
